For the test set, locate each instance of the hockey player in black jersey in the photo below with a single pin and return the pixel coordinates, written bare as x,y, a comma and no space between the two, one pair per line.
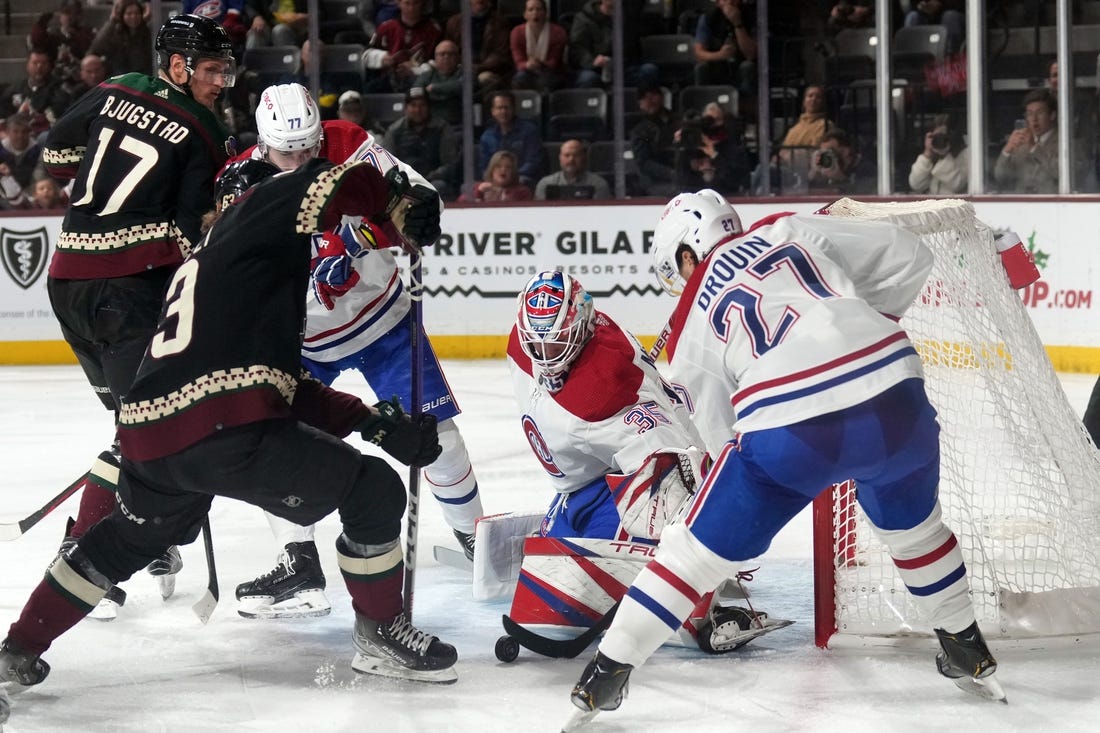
221,406
143,153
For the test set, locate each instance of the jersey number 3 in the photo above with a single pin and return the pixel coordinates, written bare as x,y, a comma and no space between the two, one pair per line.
174,333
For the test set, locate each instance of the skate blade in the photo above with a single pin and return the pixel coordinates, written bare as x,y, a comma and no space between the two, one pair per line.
304,604
986,688
578,719
737,640
386,668
104,611
167,585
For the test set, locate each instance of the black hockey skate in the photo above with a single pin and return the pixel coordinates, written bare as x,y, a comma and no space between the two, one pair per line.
399,649
466,542
603,686
966,660
22,668
727,628
164,569
295,588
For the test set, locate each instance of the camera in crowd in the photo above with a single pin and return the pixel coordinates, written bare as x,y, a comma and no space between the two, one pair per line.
826,159
940,141
694,127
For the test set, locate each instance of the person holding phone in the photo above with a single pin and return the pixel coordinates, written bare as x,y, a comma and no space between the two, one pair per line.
1028,163
943,166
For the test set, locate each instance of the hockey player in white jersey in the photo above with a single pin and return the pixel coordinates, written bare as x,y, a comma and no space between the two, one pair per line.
794,324
616,444
357,318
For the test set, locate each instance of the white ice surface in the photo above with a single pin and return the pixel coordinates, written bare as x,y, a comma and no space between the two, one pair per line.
156,668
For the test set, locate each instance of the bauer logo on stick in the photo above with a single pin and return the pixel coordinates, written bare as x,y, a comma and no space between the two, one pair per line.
24,255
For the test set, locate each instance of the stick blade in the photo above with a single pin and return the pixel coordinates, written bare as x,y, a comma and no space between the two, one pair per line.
204,607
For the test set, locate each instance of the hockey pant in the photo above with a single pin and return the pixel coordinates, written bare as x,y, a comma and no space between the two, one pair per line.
589,512
889,445
108,323
283,466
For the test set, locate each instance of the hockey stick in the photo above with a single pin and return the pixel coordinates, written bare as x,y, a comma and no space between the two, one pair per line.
204,607
558,648
662,339
14,530
416,321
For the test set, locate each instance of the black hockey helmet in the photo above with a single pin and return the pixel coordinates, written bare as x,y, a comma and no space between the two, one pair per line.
240,176
194,37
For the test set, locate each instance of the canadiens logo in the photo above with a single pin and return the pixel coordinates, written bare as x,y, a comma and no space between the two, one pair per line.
538,445
24,255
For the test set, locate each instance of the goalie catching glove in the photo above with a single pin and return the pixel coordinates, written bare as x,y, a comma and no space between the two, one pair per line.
654,495
414,442
413,208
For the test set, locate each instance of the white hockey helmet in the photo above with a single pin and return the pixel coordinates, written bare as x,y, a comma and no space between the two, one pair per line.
555,319
287,119
696,221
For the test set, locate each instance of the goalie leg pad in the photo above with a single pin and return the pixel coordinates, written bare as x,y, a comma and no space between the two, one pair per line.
499,539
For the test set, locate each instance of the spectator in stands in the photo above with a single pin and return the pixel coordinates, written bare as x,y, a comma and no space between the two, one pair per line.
943,167
492,56
400,48
574,180
443,82
590,37
1028,162
230,14
812,124
725,49
18,151
948,13
93,70
40,95
350,108
501,182
126,41
711,153
837,168
508,132
653,140
426,143
538,51
47,194
851,14
65,36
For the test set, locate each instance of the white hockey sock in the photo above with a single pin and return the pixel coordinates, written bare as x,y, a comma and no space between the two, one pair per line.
452,481
663,596
930,564
286,531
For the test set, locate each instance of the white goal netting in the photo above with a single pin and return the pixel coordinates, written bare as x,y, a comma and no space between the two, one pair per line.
1020,479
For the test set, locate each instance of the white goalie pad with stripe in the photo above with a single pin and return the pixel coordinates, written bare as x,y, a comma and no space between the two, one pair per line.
499,540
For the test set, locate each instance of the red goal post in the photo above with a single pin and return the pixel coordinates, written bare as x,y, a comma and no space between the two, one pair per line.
1019,478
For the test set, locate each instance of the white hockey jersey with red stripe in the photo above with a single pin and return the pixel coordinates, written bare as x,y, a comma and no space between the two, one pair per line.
797,317
378,302
613,412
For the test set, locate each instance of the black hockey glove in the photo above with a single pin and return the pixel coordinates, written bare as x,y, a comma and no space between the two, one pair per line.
414,209
413,442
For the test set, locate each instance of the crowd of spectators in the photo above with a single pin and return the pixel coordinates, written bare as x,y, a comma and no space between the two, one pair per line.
412,49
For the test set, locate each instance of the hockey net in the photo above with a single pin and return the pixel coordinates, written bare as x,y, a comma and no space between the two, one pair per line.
1020,479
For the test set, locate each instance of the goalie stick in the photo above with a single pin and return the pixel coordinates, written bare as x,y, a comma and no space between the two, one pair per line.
558,648
204,607
662,339
14,530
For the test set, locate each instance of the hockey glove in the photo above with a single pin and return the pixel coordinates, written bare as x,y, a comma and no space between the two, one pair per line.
413,442
332,277
414,209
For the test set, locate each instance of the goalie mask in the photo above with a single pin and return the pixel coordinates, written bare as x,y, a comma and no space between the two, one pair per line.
289,125
694,222
554,322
